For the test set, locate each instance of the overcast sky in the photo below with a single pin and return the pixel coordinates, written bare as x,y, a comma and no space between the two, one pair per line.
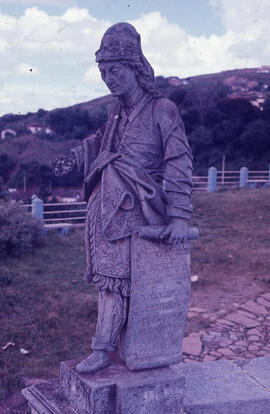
47,46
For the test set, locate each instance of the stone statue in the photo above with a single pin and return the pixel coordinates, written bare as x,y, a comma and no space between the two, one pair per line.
137,174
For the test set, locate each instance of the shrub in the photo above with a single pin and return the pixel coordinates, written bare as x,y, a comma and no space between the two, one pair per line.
6,276
19,232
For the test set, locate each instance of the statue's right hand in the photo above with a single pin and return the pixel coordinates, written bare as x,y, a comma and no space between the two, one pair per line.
63,165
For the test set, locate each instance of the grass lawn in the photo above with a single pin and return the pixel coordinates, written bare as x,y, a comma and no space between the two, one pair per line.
49,311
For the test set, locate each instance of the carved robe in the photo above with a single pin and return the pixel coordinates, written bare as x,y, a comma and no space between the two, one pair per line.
137,171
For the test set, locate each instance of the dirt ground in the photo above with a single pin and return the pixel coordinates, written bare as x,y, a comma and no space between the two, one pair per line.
232,256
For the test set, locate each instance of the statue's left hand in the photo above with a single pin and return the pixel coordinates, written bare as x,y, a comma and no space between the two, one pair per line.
175,232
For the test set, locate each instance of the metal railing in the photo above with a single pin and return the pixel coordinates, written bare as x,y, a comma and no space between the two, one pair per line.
232,179
60,215
55,215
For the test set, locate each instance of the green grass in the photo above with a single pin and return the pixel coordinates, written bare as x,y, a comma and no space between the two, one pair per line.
49,310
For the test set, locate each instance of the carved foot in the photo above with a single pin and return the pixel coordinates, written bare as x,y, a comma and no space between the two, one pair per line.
96,361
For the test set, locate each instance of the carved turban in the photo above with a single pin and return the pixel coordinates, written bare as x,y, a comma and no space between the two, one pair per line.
122,42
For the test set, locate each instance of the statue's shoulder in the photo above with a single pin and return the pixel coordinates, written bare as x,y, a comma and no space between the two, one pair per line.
164,109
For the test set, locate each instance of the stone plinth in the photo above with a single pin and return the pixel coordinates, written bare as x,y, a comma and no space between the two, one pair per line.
46,398
218,387
227,387
116,390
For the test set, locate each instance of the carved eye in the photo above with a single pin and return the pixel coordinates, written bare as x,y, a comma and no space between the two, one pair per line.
115,70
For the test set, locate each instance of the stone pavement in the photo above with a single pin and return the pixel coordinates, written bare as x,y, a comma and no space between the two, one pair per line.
243,332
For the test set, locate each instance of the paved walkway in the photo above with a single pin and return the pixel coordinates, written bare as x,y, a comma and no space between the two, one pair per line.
231,334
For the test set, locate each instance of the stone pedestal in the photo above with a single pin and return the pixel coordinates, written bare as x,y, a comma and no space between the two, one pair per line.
113,390
218,387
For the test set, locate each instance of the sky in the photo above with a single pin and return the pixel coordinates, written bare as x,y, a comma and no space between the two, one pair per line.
47,47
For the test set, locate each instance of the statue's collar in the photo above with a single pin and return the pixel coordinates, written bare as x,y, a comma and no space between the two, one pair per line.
137,108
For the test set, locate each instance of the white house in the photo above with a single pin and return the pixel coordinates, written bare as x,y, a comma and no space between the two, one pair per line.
6,132
48,130
35,128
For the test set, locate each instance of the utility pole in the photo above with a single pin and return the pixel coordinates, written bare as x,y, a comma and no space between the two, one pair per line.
24,181
223,170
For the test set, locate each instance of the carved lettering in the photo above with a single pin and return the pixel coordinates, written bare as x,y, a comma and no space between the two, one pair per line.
159,302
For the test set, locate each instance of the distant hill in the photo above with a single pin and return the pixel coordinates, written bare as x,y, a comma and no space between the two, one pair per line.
226,113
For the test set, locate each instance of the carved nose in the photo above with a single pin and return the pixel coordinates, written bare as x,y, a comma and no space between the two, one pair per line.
108,78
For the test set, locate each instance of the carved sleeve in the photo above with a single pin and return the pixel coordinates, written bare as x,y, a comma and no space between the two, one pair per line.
87,152
79,157
177,160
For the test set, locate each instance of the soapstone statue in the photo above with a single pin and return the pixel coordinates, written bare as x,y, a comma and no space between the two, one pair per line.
137,175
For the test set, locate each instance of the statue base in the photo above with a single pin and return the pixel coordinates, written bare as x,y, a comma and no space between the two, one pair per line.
113,390
220,387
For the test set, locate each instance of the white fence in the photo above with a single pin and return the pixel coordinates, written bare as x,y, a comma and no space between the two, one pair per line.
232,179
64,215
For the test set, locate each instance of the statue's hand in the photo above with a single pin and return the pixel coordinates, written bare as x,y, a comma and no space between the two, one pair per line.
175,232
63,165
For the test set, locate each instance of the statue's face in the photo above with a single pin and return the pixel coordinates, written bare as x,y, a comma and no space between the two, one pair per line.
119,77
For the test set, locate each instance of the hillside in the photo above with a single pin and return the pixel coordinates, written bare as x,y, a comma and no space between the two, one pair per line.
226,113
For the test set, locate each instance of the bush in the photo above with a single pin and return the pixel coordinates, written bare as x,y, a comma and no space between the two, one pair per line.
6,276
19,232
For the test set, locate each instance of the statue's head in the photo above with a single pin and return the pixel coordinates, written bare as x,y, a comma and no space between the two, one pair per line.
120,53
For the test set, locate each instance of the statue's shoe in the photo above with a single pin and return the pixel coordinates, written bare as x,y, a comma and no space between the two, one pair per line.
96,361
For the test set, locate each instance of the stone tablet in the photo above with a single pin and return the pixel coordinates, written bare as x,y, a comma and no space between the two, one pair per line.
160,289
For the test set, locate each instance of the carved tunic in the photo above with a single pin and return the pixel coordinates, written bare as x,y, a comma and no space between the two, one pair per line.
137,171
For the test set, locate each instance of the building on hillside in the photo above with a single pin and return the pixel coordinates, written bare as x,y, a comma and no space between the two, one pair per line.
35,128
254,97
240,83
48,130
8,132
174,81
264,69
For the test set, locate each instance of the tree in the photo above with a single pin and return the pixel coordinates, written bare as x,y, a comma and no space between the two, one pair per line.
161,82
6,166
214,116
226,134
97,119
41,113
200,140
204,152
266,109
191,119
177,96
255,138
239,108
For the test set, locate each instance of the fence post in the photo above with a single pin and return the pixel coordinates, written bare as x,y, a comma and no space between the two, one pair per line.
212,180
37,208
243,181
